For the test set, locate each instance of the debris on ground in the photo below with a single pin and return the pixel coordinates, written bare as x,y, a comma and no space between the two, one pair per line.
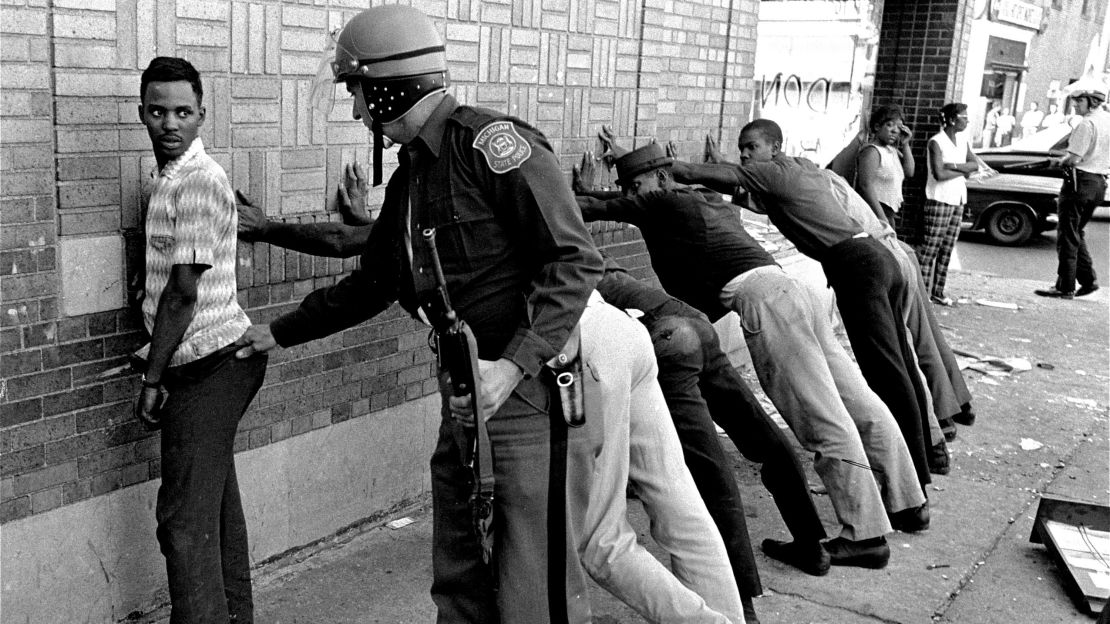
399,523
1005,305
1029,444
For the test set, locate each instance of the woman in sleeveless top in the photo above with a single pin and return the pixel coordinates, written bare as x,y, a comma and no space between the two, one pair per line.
884,162
950,162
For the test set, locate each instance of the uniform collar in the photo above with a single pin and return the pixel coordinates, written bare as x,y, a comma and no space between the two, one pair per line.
431,135
172,168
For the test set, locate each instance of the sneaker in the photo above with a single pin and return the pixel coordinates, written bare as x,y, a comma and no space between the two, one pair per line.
966,417
939,461
948,428
869,553
911,520
809,557
1057,294
944,301
1086,290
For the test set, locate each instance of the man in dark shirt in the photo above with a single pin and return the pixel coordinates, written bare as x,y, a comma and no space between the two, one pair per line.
703,256
519,266
818,212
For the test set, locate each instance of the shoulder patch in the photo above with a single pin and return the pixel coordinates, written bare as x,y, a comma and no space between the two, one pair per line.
502,146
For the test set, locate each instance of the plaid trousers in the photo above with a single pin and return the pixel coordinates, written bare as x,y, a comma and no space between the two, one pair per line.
942,227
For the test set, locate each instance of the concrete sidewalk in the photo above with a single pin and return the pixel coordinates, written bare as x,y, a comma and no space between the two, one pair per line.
975,565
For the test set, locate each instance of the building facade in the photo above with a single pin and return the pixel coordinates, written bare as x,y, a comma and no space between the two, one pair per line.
341,432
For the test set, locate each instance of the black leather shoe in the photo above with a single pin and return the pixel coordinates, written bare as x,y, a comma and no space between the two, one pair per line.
911,520
1052,292
809,557
966,417
948,428
869,553
939,461
1086,290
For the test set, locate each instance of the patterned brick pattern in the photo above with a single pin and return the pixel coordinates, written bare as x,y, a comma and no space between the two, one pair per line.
72,152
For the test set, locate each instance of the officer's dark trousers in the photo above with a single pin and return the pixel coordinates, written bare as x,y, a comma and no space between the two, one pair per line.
201,529
528,546
701,386
1077,204
869,291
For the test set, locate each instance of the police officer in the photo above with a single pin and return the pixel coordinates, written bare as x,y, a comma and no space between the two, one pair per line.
1086,166
519,266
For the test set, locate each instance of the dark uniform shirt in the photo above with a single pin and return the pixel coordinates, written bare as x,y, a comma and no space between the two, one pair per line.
517,258
697,241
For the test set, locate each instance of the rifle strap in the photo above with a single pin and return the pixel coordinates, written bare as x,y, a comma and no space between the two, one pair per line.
557,514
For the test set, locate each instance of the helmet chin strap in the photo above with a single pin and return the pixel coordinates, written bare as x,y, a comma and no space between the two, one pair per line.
379,138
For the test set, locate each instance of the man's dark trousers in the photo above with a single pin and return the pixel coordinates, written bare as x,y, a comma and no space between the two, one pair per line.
700,385
1077,204
201,528
869,290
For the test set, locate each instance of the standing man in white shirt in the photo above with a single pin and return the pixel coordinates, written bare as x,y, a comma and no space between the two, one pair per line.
1031,120
1086,167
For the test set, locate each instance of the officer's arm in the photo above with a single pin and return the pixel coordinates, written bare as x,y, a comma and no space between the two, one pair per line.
361,295
570,265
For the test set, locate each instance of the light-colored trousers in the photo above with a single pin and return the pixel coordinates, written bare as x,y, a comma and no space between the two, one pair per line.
640,450
859,451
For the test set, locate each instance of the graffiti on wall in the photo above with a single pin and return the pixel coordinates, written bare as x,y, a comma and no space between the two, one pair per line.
818,115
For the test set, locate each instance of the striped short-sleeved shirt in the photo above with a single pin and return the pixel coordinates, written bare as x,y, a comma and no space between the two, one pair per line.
191,219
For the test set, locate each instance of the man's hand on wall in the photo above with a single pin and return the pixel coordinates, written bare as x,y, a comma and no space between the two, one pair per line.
672,150
584,175
712,153
610,151
252,219
257,339
352,195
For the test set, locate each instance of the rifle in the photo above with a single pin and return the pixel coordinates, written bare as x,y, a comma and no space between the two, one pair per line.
457,350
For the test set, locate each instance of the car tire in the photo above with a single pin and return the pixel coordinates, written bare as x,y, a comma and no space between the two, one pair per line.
1010,224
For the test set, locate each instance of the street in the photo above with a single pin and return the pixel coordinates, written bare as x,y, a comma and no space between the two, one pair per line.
974,566
1036,259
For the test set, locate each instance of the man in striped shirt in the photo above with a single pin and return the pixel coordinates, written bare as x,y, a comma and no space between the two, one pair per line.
193,388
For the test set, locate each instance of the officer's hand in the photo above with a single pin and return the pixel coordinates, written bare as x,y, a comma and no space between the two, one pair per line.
252,219
712,153
672,150
148,406
498,380
257,339
352,195
584,175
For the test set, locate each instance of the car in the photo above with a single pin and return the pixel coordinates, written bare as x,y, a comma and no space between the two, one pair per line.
1021,200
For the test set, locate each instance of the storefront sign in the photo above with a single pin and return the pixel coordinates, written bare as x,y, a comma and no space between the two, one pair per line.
1017,12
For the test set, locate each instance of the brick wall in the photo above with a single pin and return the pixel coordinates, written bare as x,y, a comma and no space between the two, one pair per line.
72,151
921,58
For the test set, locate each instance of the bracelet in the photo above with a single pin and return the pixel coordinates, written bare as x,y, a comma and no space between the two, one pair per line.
151,384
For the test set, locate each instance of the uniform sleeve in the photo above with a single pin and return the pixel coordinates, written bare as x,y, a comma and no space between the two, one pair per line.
358,297
544,211
201,205
1082,138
